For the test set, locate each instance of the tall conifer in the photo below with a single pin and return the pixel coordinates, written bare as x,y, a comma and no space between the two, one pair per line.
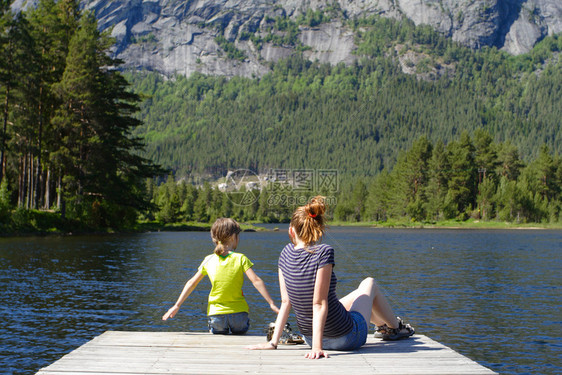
98,154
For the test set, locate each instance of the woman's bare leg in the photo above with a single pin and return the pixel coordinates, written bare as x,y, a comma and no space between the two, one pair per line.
369,301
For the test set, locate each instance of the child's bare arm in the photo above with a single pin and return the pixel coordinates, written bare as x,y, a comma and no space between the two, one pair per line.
187,289
260,286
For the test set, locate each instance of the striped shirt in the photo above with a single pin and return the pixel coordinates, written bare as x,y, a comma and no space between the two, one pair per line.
299,268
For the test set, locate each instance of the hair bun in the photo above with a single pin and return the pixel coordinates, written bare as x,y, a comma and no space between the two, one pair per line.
315,207
308,221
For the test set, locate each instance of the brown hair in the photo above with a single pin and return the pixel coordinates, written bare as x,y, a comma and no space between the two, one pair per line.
222,231
308,221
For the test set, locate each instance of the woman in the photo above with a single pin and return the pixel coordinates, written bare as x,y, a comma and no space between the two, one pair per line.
308,285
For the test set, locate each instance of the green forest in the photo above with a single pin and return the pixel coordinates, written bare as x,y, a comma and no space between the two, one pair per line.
353,118
86,146
469,178
68,158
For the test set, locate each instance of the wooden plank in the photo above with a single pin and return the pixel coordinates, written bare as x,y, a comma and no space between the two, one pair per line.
118,353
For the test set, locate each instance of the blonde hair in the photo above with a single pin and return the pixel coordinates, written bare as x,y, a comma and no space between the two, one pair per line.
308,221
222,231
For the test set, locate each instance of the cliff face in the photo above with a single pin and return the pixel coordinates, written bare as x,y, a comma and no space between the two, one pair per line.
512,25
179,36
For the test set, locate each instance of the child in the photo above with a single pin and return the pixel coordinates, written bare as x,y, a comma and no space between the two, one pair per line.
227,309
308,285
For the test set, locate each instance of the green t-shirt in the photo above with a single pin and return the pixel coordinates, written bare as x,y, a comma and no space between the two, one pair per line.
227,276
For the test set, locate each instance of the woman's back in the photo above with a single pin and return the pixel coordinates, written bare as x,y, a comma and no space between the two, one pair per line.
299,268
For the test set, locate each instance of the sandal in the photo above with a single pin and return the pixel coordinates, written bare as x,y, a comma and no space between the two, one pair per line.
287,336
380,330
390,334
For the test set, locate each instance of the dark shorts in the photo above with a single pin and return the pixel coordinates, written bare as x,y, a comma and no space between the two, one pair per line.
352,341
236,323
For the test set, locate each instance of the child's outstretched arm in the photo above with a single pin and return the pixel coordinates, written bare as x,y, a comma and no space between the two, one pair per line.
187,289
260,286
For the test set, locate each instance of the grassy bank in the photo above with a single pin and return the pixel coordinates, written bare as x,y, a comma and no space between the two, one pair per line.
191,226
449,224
41,223
32,222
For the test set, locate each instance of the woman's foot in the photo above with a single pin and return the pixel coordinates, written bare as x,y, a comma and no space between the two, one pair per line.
379,330
390,334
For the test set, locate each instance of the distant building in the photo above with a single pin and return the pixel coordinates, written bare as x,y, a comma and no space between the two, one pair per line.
252,185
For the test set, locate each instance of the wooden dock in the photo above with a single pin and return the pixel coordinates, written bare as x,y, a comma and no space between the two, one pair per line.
114,353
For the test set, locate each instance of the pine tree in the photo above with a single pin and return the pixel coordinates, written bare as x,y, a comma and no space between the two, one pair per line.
227,207
509,200
6,81
5,204
462,183
438,182
200,209
16,68
485,156
547,184
265,213
344,210
188,204
410,179
53,24
509,162
379,198
485,198
97,154
358,200
168,201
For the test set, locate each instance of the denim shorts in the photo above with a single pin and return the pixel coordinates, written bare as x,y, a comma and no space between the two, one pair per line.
352,341
235,323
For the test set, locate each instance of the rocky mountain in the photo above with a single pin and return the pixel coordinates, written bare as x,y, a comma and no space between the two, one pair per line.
238,37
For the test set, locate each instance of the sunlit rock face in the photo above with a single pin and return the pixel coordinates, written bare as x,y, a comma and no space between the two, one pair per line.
180,37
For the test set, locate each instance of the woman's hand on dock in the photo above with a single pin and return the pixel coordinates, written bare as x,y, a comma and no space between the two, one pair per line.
274,308
316,354
171,313
265,346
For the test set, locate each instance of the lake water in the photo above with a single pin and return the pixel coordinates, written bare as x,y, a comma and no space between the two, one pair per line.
492,295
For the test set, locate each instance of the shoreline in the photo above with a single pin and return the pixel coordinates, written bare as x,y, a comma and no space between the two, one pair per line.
449,224
149,227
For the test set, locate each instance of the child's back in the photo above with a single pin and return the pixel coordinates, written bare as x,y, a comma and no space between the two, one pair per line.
227,276
227,308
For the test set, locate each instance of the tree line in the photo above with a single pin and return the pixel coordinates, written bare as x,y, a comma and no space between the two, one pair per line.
67,117
470,177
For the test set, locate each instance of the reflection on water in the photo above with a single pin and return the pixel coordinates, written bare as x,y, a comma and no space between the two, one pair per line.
493,296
